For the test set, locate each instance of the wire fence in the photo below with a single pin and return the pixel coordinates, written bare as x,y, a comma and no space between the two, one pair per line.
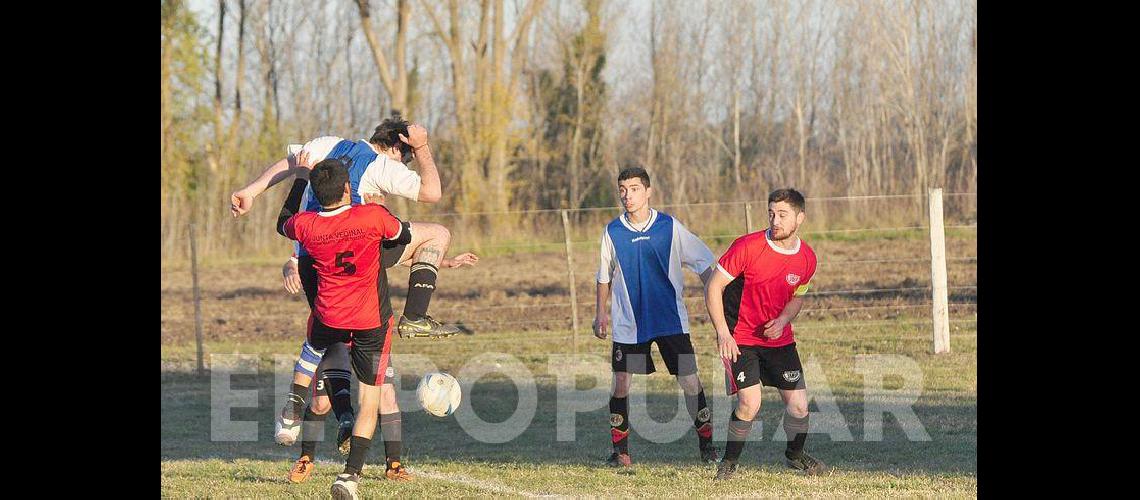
875,262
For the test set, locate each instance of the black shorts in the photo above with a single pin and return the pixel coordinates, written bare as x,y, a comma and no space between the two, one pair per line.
337,363
369,350
777,367
676,351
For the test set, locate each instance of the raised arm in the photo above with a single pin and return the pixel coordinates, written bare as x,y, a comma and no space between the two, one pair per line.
292,203
431,190
241,201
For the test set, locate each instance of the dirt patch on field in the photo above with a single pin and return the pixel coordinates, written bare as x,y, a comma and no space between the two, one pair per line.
856,280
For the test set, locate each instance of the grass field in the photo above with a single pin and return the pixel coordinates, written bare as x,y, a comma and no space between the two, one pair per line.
245,312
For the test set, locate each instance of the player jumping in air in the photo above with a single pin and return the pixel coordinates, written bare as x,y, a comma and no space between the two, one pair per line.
375,168
332,390
642,253
752,300
344,241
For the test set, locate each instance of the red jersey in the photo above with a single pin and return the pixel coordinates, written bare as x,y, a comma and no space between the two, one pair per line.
764,279
345,244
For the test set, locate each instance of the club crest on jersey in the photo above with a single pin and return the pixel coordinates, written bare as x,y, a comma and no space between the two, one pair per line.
793,279
616,419
792,376
617,354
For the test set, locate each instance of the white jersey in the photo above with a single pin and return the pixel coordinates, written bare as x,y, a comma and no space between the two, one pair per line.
644,267
368,172
382,176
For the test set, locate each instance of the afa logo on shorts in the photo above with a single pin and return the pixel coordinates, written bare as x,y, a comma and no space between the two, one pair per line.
792,278
792,376
616,420
390,372
704,415
617,354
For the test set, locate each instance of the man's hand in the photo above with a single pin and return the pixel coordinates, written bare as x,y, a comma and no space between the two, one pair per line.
774,328
463,259
417,136
727,346
303,160
240,202
376,198
292,277
600,322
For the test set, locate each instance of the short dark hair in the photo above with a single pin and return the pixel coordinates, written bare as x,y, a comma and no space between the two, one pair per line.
789,195
632,172
328,179
387,134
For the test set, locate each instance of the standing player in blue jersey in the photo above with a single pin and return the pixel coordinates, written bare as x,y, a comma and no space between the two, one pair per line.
642,254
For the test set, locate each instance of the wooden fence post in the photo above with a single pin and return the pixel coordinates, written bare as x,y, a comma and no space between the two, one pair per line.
938,274
570,272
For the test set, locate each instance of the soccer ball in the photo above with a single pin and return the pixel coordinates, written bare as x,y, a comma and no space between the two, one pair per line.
439,394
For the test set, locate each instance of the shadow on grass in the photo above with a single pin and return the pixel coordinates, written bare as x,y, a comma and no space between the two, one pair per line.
950,423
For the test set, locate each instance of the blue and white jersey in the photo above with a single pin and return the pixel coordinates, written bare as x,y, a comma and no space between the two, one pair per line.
368,172
644,266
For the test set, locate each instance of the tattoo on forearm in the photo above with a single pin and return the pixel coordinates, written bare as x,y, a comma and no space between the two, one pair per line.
430,254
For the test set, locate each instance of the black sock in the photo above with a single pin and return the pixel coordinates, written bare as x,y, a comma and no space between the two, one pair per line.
619,424
297,400
391,430
738,430
339,384
702,417
796,431
311,429
356,455
421,284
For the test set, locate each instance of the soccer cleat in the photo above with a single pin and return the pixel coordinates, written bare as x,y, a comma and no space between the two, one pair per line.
619,460
344,436
397,472
803,461
344,488
710,455
301,469
425,327
286,430
725,471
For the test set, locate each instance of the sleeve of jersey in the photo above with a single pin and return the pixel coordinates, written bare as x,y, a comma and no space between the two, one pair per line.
695,255
385,176
731,264
802,290
606,262
320,147
390,226
289,228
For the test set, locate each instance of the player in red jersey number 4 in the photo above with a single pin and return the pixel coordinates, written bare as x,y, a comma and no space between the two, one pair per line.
752,300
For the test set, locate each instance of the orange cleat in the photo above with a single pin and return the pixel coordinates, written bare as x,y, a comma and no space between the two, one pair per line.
397,472
301,469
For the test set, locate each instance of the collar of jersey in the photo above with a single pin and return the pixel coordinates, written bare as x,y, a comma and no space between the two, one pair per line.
781,250
331,213
652,218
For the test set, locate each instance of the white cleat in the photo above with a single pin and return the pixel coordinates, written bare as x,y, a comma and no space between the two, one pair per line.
344,488
286,431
